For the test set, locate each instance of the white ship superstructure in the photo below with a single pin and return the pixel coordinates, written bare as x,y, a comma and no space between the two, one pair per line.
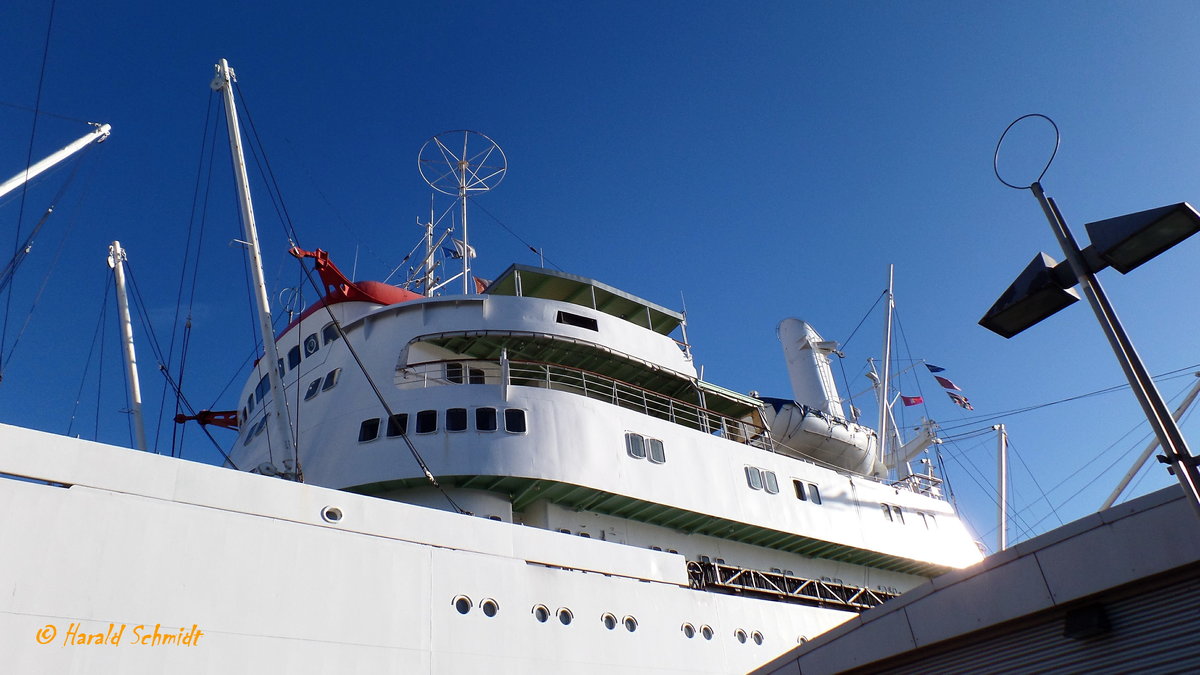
532,476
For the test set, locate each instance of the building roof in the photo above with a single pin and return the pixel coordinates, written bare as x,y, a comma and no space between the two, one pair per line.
1121,546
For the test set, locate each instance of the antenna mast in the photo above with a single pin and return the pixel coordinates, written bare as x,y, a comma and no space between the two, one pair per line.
116,260
885,377
478,167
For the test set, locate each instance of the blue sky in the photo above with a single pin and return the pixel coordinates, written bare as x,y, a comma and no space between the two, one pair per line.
765,159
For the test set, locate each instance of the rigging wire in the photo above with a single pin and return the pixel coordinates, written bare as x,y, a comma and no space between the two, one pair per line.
515,235
25,186
293,238
88,363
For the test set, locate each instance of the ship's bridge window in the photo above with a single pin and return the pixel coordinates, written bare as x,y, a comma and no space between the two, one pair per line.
454,373
397,425
485,419
514,421
427,421
329,333
368,430
475,376
331,379
264,385
293,357
577,321
456,419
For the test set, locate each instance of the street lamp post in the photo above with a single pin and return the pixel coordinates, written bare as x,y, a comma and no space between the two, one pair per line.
1042,290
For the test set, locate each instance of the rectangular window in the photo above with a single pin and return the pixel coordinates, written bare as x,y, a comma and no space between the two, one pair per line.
279,367
331,379
814,493
770,482
514,421
397,425
887,511
368,430
578,321
456,419
899,513
264,385
475,376
800,490
657,453
454,373
293,357
329,333
754,478
635,445
485,419
426,421
313,388
250,403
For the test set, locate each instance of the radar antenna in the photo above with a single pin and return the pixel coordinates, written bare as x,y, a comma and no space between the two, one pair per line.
461,163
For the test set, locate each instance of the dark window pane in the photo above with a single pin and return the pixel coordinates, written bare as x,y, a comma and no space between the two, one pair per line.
576,320
368,430
456,419
635,445
887,511
770,483
816,494
800,490
293,357
311,345
454,372
426,421
397,424
754,478
514,420
475,376
331,379
485,419
656,452
313,388
329,333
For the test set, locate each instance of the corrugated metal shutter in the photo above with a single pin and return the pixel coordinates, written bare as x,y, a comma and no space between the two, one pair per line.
1155,628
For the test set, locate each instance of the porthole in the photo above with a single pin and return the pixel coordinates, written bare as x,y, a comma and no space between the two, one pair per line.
565,616
609,621
740,635
707,632
331,514
463,604
630,623
490,607
689,631
757,637
541,613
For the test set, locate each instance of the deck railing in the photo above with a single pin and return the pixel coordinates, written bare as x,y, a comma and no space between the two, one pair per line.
584,383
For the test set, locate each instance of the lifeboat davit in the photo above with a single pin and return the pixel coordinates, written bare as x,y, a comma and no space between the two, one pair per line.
813,424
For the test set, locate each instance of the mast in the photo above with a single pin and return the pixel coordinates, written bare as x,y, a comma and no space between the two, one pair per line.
427,285
885,377
116,261
1002,486
223,82
97,135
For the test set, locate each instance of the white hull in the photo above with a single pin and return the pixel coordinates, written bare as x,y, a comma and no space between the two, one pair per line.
140,540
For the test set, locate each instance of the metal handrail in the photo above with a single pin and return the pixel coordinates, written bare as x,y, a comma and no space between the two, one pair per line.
585,383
